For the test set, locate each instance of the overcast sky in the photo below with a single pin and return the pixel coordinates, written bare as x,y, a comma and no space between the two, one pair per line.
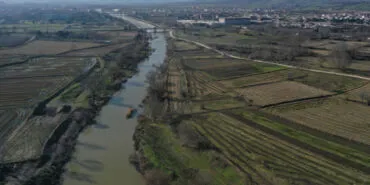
102,1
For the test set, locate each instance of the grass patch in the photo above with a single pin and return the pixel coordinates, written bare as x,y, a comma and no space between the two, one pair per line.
333,83
71,93
82,100
164,151
223,104
264,68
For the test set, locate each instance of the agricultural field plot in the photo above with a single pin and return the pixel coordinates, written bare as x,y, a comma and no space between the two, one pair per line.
332,83
216,37
229,68
23,28
47,67
252,68
222,104
175,86
266,159
26,84
346,152
13,40
29,141
194,107
202,86
177,81
329,44
101,51
210,63
9,59
117,36
360,65
335,116
102,28
9,120
184,107
200,53
27,92
47,48
184,46
280,92
312,62
360,95
280,75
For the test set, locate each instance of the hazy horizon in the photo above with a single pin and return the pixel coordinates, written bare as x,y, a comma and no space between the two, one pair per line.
92,1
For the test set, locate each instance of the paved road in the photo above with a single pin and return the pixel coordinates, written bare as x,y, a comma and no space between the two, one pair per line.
273,63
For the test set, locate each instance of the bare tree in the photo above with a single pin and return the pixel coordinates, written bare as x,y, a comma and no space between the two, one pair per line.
340,56
365,97
155,102
154,107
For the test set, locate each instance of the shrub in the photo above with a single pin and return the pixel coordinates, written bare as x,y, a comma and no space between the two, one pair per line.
202,178
157,177
191,138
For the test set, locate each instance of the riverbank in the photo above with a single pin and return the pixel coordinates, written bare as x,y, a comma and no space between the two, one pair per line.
113,69
102,152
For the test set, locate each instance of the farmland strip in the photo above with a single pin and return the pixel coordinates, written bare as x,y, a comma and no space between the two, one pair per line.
330,155
294,163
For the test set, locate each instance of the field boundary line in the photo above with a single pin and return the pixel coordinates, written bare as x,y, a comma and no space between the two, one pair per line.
268,83
297,100
94,47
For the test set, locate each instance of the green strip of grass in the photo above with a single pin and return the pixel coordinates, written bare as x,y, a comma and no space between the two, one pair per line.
164,151
223,104
82,100
264,68
71,93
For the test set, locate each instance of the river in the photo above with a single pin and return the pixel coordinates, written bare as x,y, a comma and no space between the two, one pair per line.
102,152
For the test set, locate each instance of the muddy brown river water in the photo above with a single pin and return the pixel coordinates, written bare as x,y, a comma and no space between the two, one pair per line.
102,152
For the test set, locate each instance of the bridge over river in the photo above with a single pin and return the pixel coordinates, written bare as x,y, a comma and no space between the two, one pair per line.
139,23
